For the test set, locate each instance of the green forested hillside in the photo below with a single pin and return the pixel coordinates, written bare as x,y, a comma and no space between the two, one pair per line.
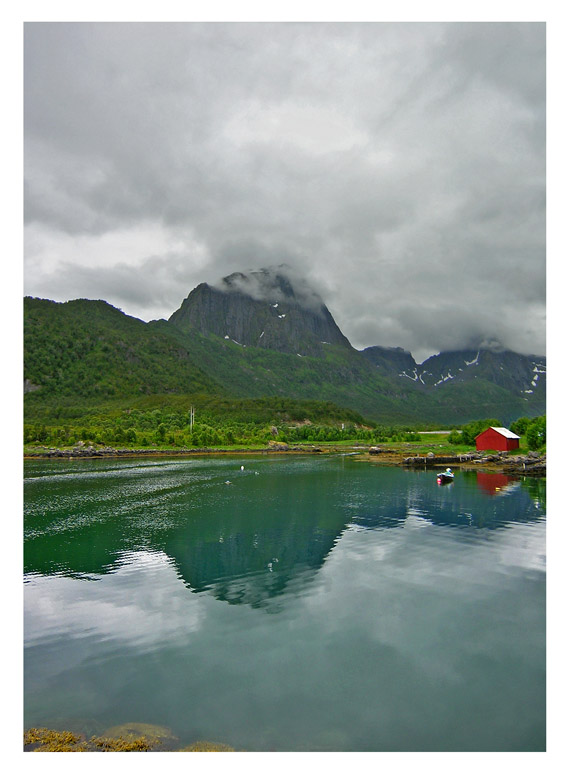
94,374
344,376
341,375
85,358
90,352
89,349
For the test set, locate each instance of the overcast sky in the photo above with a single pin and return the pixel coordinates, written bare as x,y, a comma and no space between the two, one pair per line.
400,167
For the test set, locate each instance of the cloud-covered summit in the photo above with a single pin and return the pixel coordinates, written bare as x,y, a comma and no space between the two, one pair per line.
400,166
274,284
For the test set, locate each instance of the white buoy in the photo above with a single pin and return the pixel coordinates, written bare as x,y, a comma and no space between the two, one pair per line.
242,467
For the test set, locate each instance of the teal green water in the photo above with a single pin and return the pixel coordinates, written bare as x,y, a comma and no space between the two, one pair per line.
303,603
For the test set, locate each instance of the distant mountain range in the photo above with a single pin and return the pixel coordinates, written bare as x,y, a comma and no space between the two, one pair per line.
523,375
258,334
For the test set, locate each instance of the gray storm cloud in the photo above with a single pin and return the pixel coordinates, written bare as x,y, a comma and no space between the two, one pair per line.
280,283
398,167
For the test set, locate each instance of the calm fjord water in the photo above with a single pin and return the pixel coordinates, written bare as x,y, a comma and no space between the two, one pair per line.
304,603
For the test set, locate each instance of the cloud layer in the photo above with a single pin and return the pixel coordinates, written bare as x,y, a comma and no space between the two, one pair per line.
399,167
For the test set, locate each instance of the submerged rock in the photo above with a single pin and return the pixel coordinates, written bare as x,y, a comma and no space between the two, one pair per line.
129,737
207,747
48,740
153,734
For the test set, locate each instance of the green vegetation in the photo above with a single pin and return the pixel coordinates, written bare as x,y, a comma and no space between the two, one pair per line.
533,429
90,356
88,349
471,430
164,422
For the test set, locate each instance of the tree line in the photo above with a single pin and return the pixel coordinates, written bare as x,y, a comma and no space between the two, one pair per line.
164,421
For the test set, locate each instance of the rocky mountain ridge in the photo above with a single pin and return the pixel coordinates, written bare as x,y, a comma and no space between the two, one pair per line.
524,374
276,310
261,309
263,334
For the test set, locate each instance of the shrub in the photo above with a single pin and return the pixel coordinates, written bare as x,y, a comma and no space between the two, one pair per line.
536,433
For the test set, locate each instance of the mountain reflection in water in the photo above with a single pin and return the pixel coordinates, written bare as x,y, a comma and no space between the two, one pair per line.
244,543
313,603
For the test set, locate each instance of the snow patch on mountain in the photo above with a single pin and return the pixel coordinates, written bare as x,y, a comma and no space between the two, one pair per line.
473,362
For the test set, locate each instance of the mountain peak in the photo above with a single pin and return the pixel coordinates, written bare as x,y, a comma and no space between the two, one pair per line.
273,284
271,308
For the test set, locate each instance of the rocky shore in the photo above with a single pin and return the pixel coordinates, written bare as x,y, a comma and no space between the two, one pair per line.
529,464
81,450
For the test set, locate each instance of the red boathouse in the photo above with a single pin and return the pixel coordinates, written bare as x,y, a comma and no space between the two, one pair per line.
497,439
